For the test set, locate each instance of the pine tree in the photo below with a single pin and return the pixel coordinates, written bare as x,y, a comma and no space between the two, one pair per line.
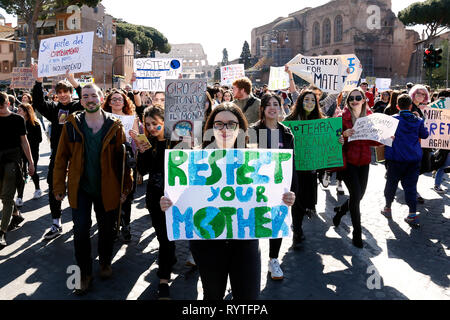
246,56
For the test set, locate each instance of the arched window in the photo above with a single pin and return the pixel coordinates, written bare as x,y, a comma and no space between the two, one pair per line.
338,28
316,34
326,36
258,47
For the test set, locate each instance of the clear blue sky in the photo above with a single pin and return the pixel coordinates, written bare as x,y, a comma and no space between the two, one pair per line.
214,24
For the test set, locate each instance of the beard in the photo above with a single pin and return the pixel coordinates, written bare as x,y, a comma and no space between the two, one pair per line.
97,107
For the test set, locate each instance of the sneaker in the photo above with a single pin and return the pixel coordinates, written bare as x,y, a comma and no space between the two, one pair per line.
190,261
2,239
37,194
54,232
387,212
126,234
438,190
105,272
275,270
19,202
15,221
85,285
413,221
340,189
163,291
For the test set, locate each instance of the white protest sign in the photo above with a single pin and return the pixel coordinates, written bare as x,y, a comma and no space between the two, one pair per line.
438,123
71,52
22,78
383,84
440,104
83,82
227,194
278,79
127,122
230,73
377,127
151,73
331,74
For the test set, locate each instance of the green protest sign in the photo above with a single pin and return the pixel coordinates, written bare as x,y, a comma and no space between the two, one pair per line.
317,143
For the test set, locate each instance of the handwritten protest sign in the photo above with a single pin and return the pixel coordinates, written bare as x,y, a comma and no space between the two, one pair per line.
278,79
71,52
127,122
317,143
227,194
383,84
22,78
371,81
440,104
83,82
330,73
184,108
377,127
151,73
438,123
230,73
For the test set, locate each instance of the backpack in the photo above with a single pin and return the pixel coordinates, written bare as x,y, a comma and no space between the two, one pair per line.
249,103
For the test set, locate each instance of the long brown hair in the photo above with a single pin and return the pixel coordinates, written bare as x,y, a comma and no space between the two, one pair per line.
28,109
299,113
225,106
364,106
128,106
265,102
393,101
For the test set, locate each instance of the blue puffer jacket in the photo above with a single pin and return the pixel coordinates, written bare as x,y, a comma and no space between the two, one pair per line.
406,146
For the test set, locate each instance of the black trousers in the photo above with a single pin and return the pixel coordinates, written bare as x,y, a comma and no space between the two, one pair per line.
55,205
238,259
166,252
306,197
355,178
81,231
126,206
34,178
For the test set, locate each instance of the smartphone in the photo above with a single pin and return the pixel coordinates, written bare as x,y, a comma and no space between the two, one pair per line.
142,139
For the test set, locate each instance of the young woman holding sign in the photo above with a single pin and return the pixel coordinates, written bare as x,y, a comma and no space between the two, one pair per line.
218,259
306,108
269,113
357,156
118,103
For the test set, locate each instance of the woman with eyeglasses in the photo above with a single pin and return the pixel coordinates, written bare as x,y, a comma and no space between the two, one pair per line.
307,107
118,103
219,259
269,126
420,96
357,157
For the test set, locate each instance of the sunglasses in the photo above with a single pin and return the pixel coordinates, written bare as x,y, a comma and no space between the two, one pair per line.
232,125
357,98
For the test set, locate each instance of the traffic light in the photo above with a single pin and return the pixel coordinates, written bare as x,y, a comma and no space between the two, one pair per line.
437,58
428,57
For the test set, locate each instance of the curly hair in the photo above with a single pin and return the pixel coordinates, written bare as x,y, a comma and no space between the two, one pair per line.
128,106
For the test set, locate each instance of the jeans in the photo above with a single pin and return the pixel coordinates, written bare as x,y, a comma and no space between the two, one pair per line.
408,174
218,259
166,252
440,172
355,178
81,231
8,181
55,205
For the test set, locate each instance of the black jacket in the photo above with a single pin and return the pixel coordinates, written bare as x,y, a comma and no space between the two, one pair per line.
50,110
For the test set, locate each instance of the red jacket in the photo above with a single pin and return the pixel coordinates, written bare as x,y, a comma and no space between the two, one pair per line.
371,102
358,152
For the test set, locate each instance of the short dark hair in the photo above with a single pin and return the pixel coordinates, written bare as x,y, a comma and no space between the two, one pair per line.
3,98
64,86
364,83
404,101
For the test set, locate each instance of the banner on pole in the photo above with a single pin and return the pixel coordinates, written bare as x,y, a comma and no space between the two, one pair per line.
227,194
331,74
151,73
71,52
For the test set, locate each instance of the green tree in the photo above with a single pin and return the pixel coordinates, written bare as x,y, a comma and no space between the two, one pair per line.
246,57
434,14
146,39
225,57
33,10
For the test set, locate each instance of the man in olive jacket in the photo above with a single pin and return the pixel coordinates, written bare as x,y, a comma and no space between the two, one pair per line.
244,99
91,148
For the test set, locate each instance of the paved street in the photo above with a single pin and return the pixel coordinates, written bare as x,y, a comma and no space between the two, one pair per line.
412,264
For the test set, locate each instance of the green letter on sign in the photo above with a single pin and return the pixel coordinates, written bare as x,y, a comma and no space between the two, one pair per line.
260,220
176,159
279,159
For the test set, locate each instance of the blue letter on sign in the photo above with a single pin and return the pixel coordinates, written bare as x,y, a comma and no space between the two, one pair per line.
185,218
279,214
